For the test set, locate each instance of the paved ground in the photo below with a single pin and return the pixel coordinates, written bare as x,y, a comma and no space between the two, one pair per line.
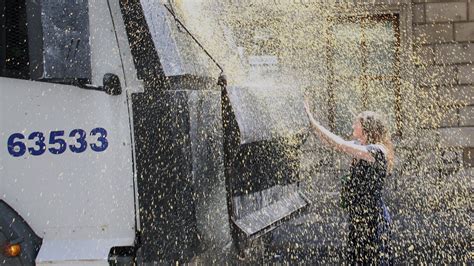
317,236
432,223
423,231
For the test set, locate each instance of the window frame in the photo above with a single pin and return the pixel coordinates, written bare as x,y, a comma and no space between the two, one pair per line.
364,77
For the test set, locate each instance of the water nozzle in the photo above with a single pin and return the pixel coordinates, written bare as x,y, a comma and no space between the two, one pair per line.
222,80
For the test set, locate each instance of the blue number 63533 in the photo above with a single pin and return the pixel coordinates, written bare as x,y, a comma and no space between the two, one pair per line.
57,144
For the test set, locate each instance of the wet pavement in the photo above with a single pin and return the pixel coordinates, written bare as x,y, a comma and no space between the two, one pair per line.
429,235
431,223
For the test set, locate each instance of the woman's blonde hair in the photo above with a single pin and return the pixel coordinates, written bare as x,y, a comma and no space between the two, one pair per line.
376,131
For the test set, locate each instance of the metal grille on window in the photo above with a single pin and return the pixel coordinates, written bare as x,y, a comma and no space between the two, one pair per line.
13,41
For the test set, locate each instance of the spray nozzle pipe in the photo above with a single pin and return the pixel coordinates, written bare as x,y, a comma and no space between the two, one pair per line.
192,37
222,79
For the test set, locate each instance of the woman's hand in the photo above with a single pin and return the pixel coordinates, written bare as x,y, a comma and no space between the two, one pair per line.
306,107
308,112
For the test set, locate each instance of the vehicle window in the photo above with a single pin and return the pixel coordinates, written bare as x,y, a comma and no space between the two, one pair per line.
14,60
45,41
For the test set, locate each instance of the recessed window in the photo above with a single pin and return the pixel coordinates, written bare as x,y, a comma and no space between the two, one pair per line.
14,60
363,64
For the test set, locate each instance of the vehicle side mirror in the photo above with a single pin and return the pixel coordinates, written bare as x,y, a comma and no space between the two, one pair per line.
111,84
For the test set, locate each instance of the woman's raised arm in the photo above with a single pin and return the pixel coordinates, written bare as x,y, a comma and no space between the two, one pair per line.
336,142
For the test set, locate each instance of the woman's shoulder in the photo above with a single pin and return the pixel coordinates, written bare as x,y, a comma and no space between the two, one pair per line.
377,149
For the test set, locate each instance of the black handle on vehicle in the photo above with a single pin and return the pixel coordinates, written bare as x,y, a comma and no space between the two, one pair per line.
111,85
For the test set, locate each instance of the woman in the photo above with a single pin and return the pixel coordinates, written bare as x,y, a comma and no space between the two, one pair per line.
373,156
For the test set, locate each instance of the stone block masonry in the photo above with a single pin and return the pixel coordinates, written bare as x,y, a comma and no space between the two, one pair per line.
434,33
455,53
419,13
443,32
465,74
464,31
445,12
471,10
467,116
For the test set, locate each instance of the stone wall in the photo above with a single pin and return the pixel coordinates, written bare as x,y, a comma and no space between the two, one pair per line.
443,40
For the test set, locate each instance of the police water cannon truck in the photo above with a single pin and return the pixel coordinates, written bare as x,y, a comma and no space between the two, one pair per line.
112,140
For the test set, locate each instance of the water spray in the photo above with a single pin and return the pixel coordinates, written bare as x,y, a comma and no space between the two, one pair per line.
222,80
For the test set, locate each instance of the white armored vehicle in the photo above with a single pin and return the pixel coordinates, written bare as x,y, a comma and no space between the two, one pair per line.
114,145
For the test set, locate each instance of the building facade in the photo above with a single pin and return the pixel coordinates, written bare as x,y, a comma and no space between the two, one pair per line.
409,60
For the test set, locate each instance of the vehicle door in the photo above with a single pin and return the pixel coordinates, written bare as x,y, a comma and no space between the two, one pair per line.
65,146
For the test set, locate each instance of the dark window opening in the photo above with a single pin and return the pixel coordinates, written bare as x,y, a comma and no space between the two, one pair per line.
14,59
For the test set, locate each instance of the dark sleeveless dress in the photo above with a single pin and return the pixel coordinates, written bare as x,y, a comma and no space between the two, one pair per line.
369,221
